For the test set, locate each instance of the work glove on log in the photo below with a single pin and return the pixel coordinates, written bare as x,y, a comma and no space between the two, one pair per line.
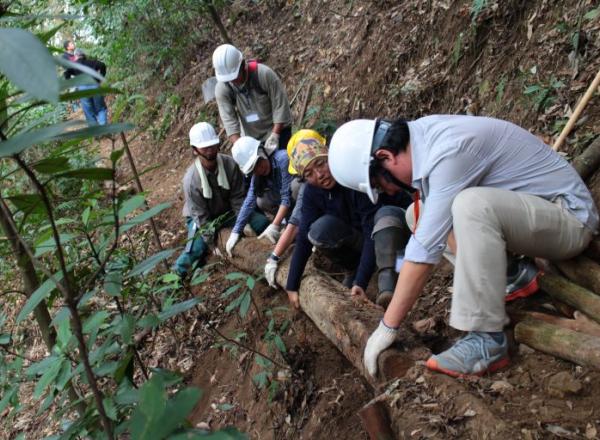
231,242
381,339
271,233
270,270
272,143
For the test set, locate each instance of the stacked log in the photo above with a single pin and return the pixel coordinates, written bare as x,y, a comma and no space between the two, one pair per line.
576,294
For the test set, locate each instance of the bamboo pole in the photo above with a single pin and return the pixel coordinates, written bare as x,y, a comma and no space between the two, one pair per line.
580,106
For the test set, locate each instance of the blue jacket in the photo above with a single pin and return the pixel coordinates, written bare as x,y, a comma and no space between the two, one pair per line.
278,182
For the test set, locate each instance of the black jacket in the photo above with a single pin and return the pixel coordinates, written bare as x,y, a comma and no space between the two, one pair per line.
98,66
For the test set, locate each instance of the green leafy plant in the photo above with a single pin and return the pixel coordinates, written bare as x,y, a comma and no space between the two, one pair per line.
542,94
67,242
477,7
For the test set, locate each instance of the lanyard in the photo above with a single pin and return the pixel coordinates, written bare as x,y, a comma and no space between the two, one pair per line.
416,206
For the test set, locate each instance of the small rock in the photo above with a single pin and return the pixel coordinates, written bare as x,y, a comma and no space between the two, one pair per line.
203,425
470,413
524,349
284,375
563,383
590,431
501,386
527,434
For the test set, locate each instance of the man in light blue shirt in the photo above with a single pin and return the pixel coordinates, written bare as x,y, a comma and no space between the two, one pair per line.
490,187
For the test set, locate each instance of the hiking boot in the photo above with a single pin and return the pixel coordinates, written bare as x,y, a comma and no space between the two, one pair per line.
475,354
384,298
522,282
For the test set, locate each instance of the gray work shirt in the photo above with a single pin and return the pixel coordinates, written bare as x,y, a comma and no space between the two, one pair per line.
254,110
202,209
451,153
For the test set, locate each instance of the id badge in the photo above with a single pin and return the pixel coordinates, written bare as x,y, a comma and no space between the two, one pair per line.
252,117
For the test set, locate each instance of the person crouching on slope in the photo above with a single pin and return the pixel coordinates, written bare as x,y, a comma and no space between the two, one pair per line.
335,219
213,186
270,189
493,184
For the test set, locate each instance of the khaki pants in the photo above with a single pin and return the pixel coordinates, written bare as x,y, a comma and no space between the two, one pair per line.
487,223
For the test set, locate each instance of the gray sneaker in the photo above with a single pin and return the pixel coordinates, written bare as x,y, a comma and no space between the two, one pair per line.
475,354
523,281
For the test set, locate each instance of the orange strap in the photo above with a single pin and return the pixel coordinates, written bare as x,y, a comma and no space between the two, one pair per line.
416,202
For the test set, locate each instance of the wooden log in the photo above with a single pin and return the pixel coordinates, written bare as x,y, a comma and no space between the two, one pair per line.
571,294
593,250
573,346
583,271
345,322
581,323
376,420
587,163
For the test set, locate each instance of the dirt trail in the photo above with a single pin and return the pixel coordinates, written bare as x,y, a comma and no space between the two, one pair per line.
383,58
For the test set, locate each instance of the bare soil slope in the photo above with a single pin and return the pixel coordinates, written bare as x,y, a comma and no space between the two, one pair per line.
525,61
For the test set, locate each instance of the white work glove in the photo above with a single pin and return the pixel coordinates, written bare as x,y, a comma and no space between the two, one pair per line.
231,242
381,339
271,233
270,270
272,143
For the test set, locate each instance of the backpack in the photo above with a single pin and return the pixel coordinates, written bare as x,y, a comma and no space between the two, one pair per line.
252,65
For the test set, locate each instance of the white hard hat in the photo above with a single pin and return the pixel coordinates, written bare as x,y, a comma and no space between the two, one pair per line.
203,135
227,60
245,153
350,155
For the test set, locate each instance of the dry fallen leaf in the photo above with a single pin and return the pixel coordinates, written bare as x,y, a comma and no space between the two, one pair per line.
424,325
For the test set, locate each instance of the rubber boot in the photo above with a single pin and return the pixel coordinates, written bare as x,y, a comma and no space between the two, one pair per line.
388,242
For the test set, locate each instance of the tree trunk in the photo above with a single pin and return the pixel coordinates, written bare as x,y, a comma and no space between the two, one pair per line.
30,284
345,322
560,342
571,294
218,23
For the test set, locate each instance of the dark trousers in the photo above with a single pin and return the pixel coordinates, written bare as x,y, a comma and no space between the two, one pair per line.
338,240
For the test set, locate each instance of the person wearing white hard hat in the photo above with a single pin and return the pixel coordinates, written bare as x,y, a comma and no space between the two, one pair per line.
251,98
270,188
213,190
491,186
